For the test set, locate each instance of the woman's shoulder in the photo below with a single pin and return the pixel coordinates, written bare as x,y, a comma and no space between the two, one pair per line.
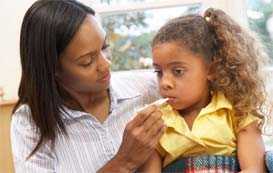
22,118
22,111
137,76
137,80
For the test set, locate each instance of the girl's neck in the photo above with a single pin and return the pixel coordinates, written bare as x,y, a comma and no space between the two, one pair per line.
191,112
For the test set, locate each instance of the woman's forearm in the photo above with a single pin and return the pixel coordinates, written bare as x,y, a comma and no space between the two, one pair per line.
117,165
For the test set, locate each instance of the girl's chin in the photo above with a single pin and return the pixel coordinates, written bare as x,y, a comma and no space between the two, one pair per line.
176,106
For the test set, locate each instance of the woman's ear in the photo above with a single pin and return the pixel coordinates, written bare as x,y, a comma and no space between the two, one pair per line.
58,71
57,74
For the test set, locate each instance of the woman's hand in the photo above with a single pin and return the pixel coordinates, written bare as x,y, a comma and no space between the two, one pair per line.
140,138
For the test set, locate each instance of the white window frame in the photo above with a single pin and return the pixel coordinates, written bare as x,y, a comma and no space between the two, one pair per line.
235,8
117,9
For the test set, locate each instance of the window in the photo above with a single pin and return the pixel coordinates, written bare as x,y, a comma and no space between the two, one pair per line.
260,19
130,30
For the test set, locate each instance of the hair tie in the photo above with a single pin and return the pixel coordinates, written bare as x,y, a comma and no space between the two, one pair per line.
207,18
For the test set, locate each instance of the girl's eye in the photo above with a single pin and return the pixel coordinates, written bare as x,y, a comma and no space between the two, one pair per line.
105,46
158,72
178,72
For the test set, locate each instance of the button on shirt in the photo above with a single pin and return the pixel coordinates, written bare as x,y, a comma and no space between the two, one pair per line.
89,144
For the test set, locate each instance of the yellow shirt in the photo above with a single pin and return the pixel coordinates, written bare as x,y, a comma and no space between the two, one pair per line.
213,131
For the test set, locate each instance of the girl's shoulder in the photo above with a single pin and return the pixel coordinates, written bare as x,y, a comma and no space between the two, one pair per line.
240,122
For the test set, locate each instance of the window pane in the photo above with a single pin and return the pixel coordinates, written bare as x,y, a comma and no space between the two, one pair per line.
260,18
130,34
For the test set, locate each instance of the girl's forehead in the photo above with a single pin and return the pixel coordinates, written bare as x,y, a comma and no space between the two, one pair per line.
168,54
172,49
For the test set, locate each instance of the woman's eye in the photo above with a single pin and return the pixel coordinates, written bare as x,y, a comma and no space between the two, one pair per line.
88,63
178,72
105,46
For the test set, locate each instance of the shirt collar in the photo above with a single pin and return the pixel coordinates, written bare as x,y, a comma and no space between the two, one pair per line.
218,101
174,120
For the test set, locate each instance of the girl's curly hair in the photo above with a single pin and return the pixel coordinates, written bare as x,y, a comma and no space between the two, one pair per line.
233,53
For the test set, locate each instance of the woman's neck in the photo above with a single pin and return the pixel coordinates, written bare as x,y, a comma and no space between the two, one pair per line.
92,103
98,105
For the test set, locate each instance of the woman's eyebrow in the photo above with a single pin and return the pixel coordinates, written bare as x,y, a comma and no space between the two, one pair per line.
91,53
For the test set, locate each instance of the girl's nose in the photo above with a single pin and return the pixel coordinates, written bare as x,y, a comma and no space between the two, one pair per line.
166,82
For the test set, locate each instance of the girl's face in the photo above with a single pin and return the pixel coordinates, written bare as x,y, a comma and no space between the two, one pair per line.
182,75
84,65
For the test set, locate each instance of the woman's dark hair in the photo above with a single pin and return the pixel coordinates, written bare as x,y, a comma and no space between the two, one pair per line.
233,53
48,27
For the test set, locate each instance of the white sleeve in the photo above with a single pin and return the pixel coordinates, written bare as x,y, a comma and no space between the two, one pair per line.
24,137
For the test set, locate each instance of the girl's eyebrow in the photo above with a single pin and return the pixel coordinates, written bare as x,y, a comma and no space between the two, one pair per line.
172,63
176,63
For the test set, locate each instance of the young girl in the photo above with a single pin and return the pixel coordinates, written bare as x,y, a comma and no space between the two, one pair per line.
208,67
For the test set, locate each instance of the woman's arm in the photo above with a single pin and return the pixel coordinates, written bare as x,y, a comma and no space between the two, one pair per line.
251,149
153,164
24,138
139,141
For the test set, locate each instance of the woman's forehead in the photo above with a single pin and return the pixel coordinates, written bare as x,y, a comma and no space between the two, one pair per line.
89,38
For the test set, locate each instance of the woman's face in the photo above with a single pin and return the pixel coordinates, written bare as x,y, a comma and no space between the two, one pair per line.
84,64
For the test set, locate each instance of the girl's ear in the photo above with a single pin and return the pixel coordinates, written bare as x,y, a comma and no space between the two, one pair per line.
211,74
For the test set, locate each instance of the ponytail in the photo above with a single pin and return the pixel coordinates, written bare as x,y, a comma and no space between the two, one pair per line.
236,64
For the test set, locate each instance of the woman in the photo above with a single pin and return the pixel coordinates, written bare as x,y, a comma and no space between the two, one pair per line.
70,116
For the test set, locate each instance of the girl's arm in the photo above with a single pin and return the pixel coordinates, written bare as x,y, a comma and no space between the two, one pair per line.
153,164
251,149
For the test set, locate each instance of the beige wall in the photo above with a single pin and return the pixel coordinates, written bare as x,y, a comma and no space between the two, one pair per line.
11,15
6,163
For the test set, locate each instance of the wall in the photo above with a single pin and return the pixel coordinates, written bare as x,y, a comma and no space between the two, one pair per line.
11,15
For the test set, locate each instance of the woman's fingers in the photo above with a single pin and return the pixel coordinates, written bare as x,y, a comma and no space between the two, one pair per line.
155,128
141,136
158,135
143,115
152,119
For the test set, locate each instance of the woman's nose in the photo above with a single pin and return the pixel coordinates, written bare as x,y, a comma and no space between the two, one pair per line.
103,63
